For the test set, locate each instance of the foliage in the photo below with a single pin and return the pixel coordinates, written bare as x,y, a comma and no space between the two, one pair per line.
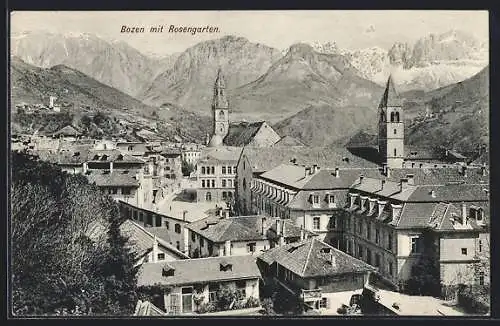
268,306
60,263
252,302
207,307
187,168
226,296
474,299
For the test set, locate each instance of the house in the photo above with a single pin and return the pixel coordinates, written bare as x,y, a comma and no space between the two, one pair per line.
191,283
314,271
121,185
216,173
173,163
69,132
147,246
242,235
394,225
191,153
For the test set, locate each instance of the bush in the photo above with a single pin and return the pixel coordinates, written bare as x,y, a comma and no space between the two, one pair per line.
474,299
342,310
225,297
252,302
268,306
207,307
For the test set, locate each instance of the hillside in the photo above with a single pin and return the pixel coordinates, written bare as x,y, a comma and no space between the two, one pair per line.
189,82
113,63
80,94
304,78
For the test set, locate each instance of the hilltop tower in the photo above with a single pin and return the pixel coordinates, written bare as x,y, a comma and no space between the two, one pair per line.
220,111
391,127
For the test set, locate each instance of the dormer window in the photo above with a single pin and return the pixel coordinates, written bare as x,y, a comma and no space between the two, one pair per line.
96,157
315,200
167,270
477,213
224,267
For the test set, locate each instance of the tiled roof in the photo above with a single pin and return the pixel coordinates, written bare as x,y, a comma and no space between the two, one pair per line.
112,155
450,192
242,228
68,131
201,270
326,179
390,189
290,175
169,151
221,154
115,178
312,257
289,141
390,96
242,133
141,239
146,308
435,176
420,153
266,158
161,232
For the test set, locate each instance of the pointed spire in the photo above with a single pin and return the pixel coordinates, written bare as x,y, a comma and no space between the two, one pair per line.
220,100
390,96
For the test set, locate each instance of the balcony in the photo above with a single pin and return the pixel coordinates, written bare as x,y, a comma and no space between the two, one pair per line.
308,295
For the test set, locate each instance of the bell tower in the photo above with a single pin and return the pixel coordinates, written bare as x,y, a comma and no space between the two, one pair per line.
220,107
391,127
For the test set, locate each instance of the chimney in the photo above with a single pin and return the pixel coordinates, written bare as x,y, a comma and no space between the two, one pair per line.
262,228
227,248
361,179
464,214
184,213
382,183
411,179
433,194
85,167
337,173
403,184
307,171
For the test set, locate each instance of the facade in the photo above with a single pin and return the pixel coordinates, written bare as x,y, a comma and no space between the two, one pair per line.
192,279
313,270
173,228
147,246
242,235
216,174
191,153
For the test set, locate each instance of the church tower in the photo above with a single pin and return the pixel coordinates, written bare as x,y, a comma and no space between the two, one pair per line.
391,127
220,111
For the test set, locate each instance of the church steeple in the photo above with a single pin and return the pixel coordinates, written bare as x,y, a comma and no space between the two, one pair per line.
391,127
220,100
220,111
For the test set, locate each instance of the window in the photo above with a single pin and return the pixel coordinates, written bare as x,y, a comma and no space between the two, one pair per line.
202,170
203,183
213,183
161,256
395,131
390,269
323,303
331,199
481,278
360,251
397,116
135,215
234,169
114,191
223,183
223,170
202,242
316,223
333,222
141,217
208,196
167,225
244,184
464,251
377,260
414,245
392,116
360,227
177,228
480,244
368,230
229,183
193,236
251,247
212,170
224,195
125,191
395,152
315,199
377,236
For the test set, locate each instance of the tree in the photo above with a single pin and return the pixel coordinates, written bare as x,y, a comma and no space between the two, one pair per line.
187,168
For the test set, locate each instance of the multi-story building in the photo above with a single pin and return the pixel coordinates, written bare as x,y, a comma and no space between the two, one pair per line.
242,235
191,153
216,174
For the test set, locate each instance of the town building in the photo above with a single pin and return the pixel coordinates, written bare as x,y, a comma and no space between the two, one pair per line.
191,153
314,272
147,246
216,174
193,281
242,235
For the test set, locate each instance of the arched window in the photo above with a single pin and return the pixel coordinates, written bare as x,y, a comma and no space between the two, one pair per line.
396,116
221,114
208,196
244,184
202,170
394,152
392,116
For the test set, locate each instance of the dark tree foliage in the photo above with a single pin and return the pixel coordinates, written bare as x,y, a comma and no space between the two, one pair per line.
64,262
187,168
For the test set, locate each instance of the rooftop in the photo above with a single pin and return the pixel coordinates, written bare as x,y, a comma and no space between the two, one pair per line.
200,270
116,178
221,154
242,133
312,257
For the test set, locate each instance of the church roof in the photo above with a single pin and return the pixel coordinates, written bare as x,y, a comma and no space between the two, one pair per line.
242,133
220,100
390,96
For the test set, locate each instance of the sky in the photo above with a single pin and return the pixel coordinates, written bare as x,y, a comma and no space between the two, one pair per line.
349,29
